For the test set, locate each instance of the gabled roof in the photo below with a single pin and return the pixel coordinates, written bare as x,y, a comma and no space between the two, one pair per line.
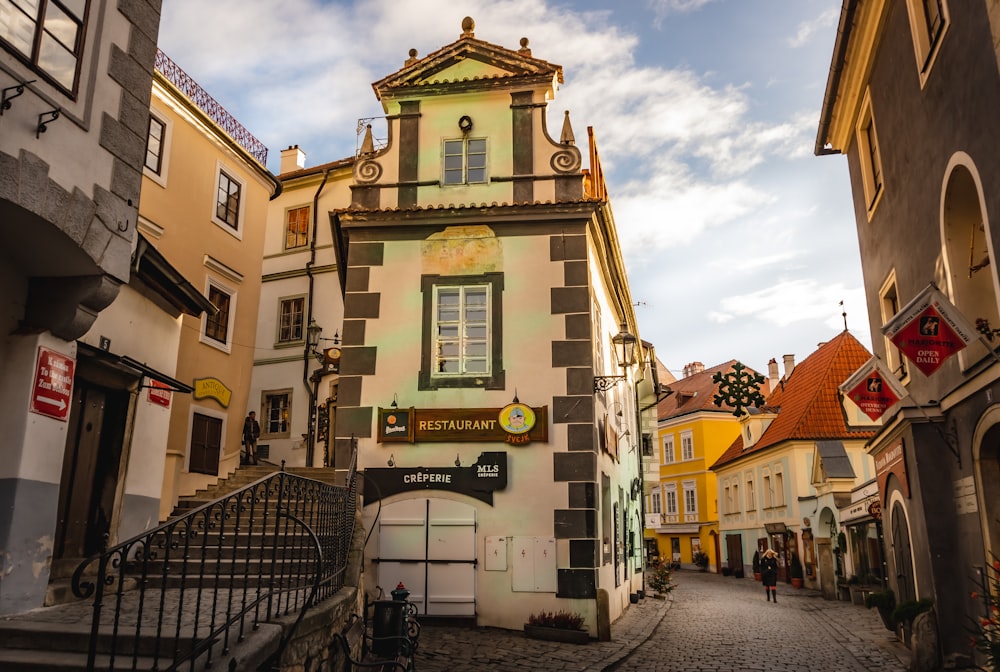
694,393
833,459
508,66
808,403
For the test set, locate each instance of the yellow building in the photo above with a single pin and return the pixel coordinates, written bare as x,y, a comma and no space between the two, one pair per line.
682,516
205,194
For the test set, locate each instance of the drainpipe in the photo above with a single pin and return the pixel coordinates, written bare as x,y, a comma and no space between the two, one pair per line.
311,390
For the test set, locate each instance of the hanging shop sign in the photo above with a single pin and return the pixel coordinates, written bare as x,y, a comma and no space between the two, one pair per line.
480,480
873,389
212,388
516,424
53,384
929,330
159,394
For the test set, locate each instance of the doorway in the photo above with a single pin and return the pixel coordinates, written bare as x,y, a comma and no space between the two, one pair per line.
430,546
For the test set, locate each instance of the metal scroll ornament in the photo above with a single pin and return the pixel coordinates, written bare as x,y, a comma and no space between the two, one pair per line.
739,388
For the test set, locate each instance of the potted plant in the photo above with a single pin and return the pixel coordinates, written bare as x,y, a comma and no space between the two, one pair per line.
659,578
557,626
756,565
701,560
885,602
796,571
905,612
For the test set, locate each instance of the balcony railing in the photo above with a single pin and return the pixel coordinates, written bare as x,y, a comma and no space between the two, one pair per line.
187,590
210,106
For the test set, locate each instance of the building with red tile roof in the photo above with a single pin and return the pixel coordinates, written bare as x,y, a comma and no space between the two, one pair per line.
795,461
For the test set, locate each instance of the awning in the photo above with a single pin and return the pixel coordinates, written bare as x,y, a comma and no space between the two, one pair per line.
775,528
135,366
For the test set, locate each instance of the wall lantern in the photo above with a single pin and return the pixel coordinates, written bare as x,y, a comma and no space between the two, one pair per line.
624,346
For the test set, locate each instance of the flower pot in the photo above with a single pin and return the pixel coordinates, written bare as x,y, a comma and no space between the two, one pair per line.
756,576
796,583
556,634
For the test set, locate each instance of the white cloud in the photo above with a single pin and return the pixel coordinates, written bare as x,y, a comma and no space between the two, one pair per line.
807,29
791,301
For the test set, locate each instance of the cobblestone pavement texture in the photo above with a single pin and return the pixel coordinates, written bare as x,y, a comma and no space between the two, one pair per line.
708,623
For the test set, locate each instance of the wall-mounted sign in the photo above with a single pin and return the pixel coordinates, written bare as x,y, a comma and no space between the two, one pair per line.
212,388
929,330
873,389
515,424
892,462
480,480
53,384
331,360
159,394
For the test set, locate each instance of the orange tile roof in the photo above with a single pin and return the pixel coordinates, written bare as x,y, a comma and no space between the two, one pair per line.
695,393
808,403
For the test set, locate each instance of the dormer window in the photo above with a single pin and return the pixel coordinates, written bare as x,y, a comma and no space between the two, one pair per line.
465,161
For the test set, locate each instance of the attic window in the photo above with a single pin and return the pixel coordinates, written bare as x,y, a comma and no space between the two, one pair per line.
465,161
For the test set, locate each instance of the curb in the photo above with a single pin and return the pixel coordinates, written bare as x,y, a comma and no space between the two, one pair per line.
637,637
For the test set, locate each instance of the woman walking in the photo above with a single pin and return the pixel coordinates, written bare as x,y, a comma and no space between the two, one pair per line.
769,574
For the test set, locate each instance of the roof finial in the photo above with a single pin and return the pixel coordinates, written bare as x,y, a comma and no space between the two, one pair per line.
412,59
368,144
468,25
844,314
566,137
524,50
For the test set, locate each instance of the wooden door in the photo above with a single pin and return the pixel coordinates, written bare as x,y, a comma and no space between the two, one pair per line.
206,444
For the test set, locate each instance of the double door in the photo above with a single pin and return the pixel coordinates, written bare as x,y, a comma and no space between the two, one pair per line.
430,546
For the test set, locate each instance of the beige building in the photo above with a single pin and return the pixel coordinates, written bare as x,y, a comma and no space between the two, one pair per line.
205,194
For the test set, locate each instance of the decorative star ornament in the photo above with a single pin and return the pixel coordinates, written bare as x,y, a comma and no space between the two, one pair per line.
739,388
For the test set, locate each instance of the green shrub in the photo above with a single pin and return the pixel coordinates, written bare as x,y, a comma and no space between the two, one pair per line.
905,612
564,620
659,579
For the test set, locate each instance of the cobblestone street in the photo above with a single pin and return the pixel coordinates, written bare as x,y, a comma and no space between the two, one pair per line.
710,623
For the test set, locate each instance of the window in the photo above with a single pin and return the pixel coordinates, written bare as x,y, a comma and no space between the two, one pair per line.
928,22
869,155
277,408
668,449
687,446
728,499
462,332
291,313
217,330
465,161
47,34
736,499
779,489
154,144
297,228
751,501
690,498
670,499
768,492
654,505
227,205
889,301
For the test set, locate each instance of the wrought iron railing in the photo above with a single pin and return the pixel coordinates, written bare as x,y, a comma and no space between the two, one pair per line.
210,106
181,594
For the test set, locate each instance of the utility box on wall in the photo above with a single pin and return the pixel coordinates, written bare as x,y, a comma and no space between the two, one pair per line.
534,560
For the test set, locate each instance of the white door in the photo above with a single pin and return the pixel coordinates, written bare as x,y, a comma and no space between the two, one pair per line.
430,545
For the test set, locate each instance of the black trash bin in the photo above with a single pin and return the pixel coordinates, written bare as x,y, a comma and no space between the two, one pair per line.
389,628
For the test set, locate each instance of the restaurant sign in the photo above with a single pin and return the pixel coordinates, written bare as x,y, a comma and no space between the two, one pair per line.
516,424
480,480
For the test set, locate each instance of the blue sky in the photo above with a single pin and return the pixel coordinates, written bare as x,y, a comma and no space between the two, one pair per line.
739,242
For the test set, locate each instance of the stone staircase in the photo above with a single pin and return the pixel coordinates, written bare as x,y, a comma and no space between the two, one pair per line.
56,638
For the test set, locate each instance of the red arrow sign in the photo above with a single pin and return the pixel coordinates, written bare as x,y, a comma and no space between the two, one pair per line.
53,386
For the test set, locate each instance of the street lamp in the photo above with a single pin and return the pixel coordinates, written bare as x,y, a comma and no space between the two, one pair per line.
624,347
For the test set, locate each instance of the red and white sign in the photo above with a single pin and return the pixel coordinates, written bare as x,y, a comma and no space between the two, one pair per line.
929,330
873,389
159,393
53,386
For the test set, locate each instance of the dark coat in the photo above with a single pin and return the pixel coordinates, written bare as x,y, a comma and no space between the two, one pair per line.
769,571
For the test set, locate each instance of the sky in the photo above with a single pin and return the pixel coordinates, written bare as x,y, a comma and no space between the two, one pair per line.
739,242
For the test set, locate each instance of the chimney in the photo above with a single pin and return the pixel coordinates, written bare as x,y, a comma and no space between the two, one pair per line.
292,158
772,374
693,368
789,365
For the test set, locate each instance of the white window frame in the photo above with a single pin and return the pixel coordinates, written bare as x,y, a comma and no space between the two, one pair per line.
160,178
667,447
670,499
768,490
870,159
655,504
737,502
751,499
727,500
208,340
233,176
462,340
690,491
926,47
278,341
687,446
889,305
779,487
265,409
446,172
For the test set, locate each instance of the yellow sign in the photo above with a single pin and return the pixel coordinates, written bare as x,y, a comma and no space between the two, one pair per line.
517,418
212,388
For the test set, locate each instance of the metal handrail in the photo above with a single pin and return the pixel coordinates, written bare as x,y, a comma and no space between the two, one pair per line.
184,590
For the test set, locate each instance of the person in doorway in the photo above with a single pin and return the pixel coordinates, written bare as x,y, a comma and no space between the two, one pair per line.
251,432
769,574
